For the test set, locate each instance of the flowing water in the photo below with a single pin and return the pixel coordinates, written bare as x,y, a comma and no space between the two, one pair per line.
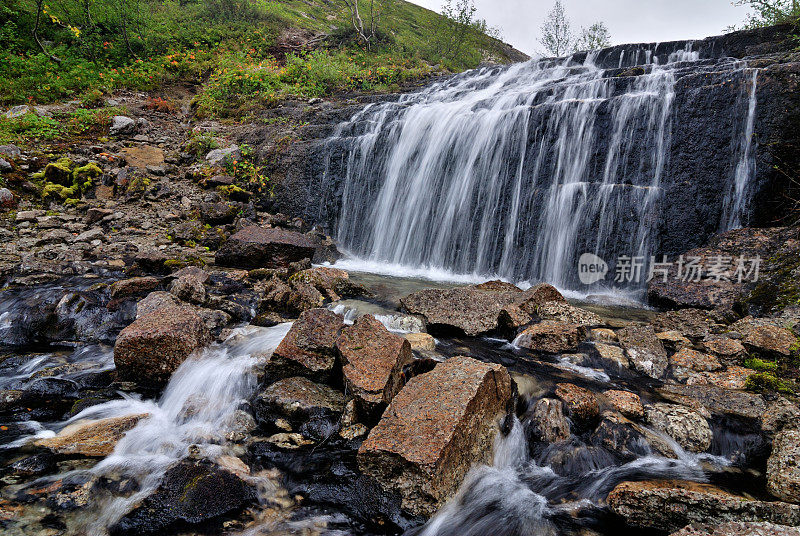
515,172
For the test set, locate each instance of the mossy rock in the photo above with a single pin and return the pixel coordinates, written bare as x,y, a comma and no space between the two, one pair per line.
59,172
234,192
84,176
58,192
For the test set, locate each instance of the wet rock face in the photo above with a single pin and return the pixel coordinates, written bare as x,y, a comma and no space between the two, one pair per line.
153,347
581,403
644,350
190,494
783,467
627,403
547,422
477,309
298,400
671,505
95,438
435,429
737,529
687,427
372,360
309,349
258,247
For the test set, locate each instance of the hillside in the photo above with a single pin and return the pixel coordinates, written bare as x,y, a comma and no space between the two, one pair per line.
278,48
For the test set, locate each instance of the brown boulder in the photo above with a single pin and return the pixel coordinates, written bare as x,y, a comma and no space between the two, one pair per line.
548,423
550,336
309,349
581,403
259,247
671,505
435,429
134,286
372,360
763,336
477,309
154,346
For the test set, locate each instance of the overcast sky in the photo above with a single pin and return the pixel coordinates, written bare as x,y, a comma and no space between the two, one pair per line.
630,21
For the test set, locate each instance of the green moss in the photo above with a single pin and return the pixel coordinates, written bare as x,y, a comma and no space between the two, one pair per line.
59,172
761,365
138,185
234,192
84,175
58,192
766,381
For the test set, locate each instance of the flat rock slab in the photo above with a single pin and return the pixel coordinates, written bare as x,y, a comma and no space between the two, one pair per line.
309,349
476,309
550,336
154,346
645,351
92,438
259,247
435,429
141,157
372,360
671,505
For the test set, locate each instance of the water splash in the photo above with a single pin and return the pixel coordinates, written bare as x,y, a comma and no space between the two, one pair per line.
737,201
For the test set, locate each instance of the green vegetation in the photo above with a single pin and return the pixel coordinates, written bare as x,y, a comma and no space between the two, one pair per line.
252,52
761,365
767,381
33,127
768,12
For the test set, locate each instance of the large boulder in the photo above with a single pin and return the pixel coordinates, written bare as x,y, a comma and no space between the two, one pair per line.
737,529
627,403
259,247
763,336
687,427
581,403
671,505
372,360
435,429
783,466
90,438
477,309
189,494
154,346
717,400
644,350
309,349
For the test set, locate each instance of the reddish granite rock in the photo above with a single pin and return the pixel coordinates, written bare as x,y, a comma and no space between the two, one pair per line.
763,336
550,336
309,349
627,403
477,309
259,247
153,347
372,360
435,429
134,286
783,466
670,505
581,403
725,348
687,361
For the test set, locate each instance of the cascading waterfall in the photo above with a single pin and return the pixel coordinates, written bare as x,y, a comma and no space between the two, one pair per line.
515,172
736,202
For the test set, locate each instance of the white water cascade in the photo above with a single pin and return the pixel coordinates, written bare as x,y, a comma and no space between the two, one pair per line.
515,172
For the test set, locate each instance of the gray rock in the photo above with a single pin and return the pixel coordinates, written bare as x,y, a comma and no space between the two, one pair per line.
219,157
687,427
122,125
783,472
6,198
644,350
11,151
5,166
548,422
737,529
18,111
92,235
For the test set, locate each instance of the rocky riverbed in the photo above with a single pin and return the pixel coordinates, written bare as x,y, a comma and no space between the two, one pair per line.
177,357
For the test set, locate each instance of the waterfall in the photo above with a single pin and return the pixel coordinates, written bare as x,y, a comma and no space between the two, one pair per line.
516,172
737,200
